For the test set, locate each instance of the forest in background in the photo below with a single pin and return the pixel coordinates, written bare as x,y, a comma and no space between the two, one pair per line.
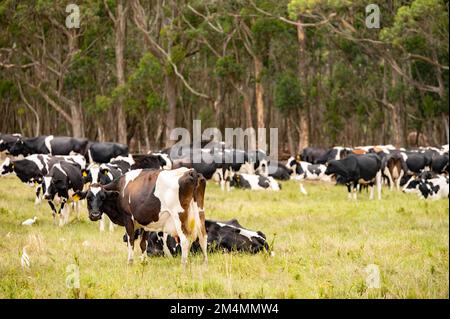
136,69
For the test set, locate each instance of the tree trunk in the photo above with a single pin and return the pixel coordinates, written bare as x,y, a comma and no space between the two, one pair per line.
171,94
396,112
246,95
289,136
77,121
120,37
445,120
303,140
259,92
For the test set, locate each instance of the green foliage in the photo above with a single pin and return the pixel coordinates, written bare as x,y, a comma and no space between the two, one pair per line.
8,89
228,67
102,104
287,92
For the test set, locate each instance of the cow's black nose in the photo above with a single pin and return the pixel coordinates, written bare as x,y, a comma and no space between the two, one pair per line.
95,216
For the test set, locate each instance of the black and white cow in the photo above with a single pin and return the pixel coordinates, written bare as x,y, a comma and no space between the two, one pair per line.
103,152
222,236
102,174
171,201
313,154
7,141
61,183
254,182
53,145
439,164
304,170
358,169
434,188
428,185
139,161
32,169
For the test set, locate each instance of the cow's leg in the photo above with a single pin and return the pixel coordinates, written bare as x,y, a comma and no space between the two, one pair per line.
63,214
371,191
203,237
221,179
349,189
166,249
397,184
52,206
37,200
184,241
129,227
378,183
355,190
144,243
102,223
389,176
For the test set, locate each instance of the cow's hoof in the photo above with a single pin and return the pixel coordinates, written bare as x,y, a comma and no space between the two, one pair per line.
130,262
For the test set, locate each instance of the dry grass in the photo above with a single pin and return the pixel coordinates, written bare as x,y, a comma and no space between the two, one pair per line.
322,244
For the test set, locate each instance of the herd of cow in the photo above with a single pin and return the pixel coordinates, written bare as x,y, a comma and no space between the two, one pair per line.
159,197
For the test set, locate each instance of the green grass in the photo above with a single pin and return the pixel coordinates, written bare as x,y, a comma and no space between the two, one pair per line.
322,244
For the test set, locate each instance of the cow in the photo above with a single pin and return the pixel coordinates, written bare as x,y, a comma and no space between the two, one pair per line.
171,201
222,236
101,174
103,152
7,141
32,169
59,145
434,188
439,164
137,161
304,170
356,170
394,168
313,154
416,161
166,161
62,182
254,182
428,185
278,171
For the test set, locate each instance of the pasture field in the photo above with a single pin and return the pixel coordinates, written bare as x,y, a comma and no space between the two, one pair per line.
322,244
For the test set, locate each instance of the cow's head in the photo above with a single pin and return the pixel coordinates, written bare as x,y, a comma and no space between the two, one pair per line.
235,180
332,167
55,183
20,147
95,197
7,167
263,168
412,186
97,174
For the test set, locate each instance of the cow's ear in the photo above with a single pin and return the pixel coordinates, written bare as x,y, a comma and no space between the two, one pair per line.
104,171
79,195
112,194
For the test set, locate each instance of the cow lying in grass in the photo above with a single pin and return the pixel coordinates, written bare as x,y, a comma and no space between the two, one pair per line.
226,236
428,185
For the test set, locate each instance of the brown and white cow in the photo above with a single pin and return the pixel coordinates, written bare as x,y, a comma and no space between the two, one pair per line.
171,201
